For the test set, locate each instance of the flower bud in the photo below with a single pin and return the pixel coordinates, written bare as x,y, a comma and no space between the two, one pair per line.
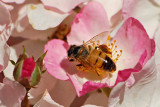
27,71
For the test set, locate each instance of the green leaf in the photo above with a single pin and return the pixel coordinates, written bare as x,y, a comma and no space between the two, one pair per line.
17,70
36,75
39,62
12,62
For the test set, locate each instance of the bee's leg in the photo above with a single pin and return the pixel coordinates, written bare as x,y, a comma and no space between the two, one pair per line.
80,67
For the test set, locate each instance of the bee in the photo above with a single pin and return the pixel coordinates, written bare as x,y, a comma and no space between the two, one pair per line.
94,56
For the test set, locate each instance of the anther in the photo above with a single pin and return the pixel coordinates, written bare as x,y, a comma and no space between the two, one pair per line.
83,41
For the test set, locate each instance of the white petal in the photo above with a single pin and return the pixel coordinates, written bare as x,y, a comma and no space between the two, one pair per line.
8,72
145,11
42,19
112,7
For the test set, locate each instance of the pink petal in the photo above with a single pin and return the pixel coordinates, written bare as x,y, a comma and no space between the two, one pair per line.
113,8
5,23
136,47
9,7
56,55
4,55
91,21
84,86
63,5
28,67
135,44
49,19
14,1
11,93
149,16
46,101
141,93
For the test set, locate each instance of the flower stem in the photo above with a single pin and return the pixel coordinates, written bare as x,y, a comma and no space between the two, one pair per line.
106,91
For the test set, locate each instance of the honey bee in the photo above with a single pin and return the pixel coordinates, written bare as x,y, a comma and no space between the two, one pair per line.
94,56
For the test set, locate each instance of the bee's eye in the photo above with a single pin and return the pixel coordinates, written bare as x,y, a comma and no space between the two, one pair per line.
76,50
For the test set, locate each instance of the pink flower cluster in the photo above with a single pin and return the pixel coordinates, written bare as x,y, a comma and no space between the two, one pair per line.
132,27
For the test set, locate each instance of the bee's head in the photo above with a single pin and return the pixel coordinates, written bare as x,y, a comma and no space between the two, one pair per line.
73,52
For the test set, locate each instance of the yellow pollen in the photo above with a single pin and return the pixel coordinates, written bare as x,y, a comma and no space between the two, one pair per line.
33,7
83,41
109,37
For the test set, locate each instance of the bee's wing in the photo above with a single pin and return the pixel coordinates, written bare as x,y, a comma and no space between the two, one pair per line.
101,38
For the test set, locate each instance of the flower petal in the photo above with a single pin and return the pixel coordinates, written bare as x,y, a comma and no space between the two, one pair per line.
11,93
5,23
112,8
63,5
14,1
49,19
137,48
135,44
148,16
141,93
91,21
4,55
46,101
56,54
157,39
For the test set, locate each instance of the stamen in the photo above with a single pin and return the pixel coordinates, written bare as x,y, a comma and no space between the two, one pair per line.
114,53
83,41
118,55
114,48
108,40
98,42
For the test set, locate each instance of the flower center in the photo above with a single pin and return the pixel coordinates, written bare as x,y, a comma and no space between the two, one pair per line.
102,58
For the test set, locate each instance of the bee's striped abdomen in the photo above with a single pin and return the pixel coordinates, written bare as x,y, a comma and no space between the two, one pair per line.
100,60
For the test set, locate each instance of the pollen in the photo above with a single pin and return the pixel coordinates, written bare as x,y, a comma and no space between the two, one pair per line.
33,7
115,54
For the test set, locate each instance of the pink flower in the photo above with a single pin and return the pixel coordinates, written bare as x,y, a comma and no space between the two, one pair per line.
122,9
11,93
5,32
131,38
28,67
149,17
